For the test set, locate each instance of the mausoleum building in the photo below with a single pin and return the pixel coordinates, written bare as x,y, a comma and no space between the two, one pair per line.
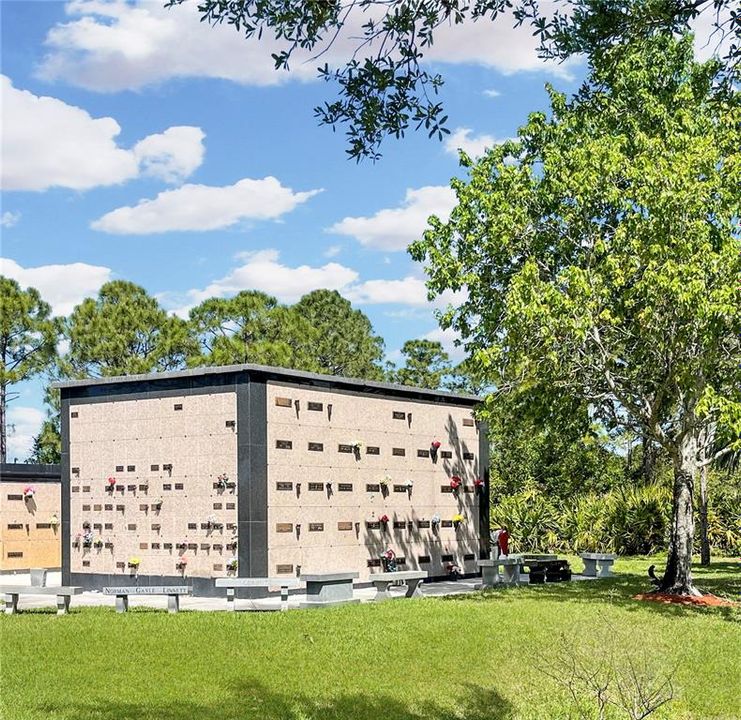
258,471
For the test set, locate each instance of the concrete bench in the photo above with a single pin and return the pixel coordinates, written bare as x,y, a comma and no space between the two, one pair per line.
326,589
597,564
63,594
231,585
490,576
173,593
383,580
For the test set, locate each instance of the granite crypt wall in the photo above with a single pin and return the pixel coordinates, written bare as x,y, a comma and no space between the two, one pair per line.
181,476
30,517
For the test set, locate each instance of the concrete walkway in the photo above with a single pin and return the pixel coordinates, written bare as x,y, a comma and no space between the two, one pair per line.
96,599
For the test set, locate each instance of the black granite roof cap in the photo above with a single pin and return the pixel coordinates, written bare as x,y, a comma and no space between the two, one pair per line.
275,373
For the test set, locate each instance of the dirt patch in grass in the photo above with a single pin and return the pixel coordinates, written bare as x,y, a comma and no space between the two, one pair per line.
702,601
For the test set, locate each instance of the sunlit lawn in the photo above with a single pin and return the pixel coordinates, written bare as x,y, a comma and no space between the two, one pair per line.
473,658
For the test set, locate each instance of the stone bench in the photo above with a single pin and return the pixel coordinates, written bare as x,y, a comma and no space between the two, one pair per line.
326,589
232,584
63,594
597,564
383,580
490,576
173,593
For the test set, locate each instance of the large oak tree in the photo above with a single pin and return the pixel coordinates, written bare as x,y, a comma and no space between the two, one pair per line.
601,258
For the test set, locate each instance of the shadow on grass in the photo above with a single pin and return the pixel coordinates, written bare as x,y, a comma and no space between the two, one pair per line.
722,579
253,700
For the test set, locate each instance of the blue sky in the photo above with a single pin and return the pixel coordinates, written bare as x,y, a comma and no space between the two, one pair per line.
140,144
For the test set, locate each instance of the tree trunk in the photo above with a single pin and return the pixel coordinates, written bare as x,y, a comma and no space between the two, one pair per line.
678,574
703,512
648,459
3,425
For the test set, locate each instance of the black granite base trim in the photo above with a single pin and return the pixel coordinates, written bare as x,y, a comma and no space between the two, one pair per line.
485,497
447,578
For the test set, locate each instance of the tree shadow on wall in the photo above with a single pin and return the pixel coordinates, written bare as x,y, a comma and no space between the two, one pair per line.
251,699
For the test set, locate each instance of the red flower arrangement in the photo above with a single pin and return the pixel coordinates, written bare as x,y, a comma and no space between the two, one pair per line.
478,482
435,444
111,482
384,519
455,482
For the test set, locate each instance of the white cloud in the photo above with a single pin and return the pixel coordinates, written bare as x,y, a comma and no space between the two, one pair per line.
472,145
9,219
23,424
492,93
118,45
48,143
333,251
409,291
62,286
204,207
498,45
172,155
262,270
395,228
111,46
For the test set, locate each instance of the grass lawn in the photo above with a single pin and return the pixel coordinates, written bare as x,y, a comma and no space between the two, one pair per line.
472,658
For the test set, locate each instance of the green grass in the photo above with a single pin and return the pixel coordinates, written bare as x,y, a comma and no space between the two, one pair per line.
472,658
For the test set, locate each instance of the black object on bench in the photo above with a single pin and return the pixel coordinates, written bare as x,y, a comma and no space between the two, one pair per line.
541,571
